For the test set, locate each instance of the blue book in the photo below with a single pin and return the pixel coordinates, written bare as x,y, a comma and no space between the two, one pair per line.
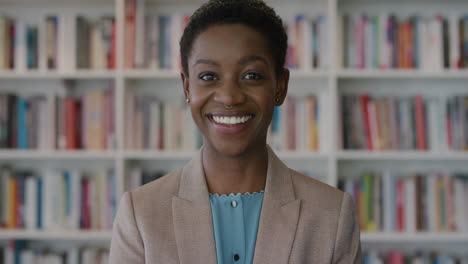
32,47
39,202
22,127
18,246
68,192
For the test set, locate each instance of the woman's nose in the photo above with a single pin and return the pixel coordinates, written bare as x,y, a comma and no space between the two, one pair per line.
230,93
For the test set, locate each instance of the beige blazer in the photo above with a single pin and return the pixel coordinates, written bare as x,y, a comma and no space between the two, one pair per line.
169,221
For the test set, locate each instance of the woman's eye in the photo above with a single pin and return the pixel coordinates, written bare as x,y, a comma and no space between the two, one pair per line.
253,76
207,77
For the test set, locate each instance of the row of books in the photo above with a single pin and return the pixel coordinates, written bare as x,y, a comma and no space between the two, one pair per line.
25,46
63,122
154,124
19,252
426,257
307,42
387,41
295,125
47,45
152,40
382,123
405,123
95,47
416,202
454,118
57,199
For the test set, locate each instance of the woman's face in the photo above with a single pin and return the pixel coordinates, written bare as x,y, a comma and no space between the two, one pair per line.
231,65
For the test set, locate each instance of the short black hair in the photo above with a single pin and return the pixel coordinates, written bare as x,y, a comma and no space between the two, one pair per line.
252,13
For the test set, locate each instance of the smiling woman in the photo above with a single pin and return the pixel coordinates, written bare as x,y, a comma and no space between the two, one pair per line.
235,201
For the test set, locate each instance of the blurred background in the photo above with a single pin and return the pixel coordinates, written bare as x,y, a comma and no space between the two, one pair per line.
91,105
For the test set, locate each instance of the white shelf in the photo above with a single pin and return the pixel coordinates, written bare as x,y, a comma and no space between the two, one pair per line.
151,74
309,74
400,155
291,155
80,74
429,237
56,235
402,74
56,155
160,155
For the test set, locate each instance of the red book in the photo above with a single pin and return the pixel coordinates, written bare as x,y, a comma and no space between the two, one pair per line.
364,99
400,205
71,131
400,50
14,203
111,62
111,115
130,13
420,123
85,205
449,203
409,45
395,258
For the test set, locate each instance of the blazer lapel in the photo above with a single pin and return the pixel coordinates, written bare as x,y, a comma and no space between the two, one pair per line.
279,216
193,223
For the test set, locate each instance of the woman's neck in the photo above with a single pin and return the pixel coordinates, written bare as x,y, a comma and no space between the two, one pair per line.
240,174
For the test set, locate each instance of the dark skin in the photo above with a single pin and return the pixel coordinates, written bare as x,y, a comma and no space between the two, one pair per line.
230,64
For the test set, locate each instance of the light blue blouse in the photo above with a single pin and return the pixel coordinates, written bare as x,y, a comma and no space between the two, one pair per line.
235,222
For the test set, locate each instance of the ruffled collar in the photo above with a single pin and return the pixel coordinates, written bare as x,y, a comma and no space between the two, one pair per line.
237,194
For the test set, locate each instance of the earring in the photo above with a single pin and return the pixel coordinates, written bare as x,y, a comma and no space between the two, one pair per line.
277,100
187,100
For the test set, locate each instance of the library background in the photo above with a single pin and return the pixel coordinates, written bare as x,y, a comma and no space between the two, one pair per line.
91,105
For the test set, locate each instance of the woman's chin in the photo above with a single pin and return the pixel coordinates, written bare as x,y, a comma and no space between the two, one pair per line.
232,148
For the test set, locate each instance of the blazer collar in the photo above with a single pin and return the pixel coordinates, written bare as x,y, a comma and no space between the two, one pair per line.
193,225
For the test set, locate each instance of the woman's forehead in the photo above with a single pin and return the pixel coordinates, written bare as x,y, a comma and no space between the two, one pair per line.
228,41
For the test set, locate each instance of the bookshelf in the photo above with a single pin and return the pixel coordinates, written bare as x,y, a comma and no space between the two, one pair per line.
330,162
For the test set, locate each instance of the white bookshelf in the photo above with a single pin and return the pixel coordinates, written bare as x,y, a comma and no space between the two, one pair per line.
331,162
402,74
78,236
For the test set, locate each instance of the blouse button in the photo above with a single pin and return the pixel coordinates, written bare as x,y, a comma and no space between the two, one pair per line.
236,257
234,203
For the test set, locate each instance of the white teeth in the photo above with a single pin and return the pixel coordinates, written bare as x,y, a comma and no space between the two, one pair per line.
231,120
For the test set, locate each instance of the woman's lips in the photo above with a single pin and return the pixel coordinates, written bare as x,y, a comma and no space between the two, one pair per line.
230,123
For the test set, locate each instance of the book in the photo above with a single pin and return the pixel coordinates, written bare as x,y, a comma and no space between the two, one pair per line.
57,200
420,202
388,122
384,41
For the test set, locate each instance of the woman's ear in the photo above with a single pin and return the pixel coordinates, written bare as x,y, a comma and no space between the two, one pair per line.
185,85
282,87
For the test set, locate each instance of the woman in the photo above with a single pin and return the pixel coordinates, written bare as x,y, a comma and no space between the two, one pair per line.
235,201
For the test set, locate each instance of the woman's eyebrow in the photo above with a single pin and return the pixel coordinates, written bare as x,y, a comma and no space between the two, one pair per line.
205,61
252,58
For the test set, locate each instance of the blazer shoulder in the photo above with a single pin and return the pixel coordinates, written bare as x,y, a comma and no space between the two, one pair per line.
312,190
161,189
